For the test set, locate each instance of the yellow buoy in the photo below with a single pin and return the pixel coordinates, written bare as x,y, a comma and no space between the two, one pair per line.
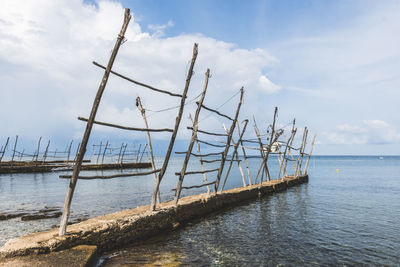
337,170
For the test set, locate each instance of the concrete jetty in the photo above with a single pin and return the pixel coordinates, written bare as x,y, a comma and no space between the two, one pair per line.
120,228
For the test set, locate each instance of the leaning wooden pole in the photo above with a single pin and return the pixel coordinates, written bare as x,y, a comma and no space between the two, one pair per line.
285,154
175,132
233,155
244,156
228,142
309,155
85,139
192,139
301,155
153,165
15,147
262,152
4,150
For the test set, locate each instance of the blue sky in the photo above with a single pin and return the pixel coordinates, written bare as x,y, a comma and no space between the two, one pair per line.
331,64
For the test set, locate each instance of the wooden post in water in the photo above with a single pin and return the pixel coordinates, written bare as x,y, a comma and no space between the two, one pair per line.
99,153
233,155
4,150
144,150
309,155
300,151
123,153
35,157
228,142
15,147
193,138
69,150
45,152
82,150
270,140
153,166
104,153
174,133
138,152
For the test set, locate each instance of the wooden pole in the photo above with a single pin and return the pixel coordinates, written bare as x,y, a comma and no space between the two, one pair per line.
233,155
153,166
15,147
288,144
244,156
309,154
262,152
76,153
303,147
123,153
120,152
35,157
228,142
104,153
193,138
99,153
144,150
300,151
45,152
4,150
82,150
138,152
174,133
69,150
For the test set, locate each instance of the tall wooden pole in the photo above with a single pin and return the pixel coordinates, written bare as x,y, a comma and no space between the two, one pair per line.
285,154
192,139
309,154
244,156
4,150
262,152
45,152
82,150
300,151
37,151
15,147
228,142
303,147
175,132
104,152
153,166
69,149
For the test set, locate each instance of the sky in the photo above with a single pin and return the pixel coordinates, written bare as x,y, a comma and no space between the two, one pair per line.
332,65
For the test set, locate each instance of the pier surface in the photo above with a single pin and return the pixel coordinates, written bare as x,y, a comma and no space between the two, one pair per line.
127,226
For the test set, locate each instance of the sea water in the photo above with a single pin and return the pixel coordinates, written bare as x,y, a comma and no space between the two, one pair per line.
348,214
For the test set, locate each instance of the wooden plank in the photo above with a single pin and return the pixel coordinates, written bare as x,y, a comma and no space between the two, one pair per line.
111,176
215,111
197,172
209,133
210,144
194,186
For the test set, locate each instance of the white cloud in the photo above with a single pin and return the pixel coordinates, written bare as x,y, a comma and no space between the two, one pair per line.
370,132
46,49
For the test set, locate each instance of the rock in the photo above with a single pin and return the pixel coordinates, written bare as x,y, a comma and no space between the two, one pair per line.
31,217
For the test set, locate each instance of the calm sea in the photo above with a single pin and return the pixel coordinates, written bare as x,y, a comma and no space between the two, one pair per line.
348,214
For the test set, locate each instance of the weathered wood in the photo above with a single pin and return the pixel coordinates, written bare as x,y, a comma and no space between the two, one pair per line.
4,150
228,142
202,155
210,144
209,133
198,172
144,150
111,176
153,165
174,133
285,158
270,139
138,152
262,152
215,111
15,147
85,139
210,161
233,155
138,83
201,159
123,153
104,152
45,152
309,155
36,156
194,186
244,156
192,139
301,154
99,153
266,156
250,141
69,150
127,128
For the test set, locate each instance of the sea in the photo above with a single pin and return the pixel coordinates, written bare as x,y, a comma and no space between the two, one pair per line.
347,214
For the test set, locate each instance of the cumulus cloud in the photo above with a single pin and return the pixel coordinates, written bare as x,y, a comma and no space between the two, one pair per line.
46,49
370,132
